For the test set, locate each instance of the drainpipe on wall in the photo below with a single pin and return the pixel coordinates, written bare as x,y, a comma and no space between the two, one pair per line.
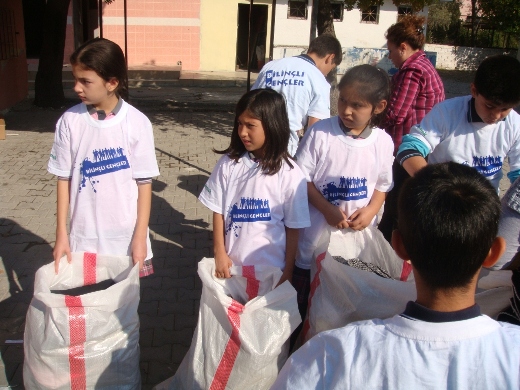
271,39
314,19
249,47
100,16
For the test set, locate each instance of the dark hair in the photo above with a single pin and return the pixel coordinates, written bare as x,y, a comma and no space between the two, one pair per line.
410,30
372,84
106,59
448,220
498,80
324,45
268,106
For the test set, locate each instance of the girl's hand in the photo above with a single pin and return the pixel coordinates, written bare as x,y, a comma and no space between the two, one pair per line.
287,275
335,217
361,218
61,247
222,265
139,251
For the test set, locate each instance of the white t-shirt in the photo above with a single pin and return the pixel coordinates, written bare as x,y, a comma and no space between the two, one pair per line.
402,353
103,159
445,130
256,208
345,170
306,91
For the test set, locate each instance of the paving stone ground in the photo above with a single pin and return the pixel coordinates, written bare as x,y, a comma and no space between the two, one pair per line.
180,226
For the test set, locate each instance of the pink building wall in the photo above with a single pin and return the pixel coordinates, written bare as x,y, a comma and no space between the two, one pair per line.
160,32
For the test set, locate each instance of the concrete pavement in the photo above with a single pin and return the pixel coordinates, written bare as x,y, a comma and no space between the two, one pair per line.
189,120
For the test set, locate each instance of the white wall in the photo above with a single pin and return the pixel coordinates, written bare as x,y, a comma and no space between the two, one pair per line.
462,57
291,33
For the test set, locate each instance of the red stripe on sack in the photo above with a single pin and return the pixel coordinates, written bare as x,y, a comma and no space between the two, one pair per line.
89,268
407,270
253,285
232,347
78,337
314,285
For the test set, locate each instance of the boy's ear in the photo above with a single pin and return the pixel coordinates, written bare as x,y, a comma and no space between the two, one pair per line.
473,90
329,58
380,107
495,252
397,244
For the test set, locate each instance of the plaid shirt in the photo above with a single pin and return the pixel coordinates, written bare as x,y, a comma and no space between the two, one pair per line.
416,88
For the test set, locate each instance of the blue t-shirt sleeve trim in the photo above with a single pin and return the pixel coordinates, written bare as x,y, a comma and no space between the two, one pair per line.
513,175
410,142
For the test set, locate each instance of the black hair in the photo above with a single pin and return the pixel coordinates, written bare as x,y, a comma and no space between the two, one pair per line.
372,84
324,45
498,80
448,219
409,29
106,59
268,106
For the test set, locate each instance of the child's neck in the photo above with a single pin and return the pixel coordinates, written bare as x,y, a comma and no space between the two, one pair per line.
107,104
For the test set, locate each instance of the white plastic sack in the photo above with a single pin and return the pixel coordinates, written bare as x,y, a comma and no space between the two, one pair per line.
240,339
341,294
89,341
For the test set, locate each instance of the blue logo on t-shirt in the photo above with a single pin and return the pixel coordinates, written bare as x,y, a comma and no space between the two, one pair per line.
249,210
105,161
487,166
349,188
284,77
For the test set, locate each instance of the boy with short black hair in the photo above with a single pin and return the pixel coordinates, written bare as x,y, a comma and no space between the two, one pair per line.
480,130
301,79
448,221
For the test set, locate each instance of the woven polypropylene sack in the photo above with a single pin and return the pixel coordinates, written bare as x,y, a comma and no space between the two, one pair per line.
240,338
87,341
341,294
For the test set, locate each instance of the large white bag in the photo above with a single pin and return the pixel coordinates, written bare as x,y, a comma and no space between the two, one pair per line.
87,341
240,339
341,294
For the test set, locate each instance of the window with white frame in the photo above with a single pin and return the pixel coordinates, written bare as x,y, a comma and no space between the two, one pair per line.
337,10
403,10
297,9
370,14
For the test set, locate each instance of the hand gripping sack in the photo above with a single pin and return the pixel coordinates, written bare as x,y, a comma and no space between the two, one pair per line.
87,341
240,339
341,294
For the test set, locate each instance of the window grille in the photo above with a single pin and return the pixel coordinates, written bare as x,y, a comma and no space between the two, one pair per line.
8,46
337,11
403,10
370,14
297,9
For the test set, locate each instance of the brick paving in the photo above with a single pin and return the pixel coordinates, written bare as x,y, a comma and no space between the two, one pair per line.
188,122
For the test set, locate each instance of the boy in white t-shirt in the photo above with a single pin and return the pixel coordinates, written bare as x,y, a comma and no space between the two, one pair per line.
448,222
301,80
480,130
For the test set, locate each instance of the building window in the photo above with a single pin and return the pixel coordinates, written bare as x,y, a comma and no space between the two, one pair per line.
337,11
297,9
8,44
403,10
370,14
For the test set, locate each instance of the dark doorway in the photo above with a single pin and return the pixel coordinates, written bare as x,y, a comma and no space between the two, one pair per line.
33,11
258,36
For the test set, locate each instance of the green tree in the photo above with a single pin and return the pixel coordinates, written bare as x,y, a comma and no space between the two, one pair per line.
502,16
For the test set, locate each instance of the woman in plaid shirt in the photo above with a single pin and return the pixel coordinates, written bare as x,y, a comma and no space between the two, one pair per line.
416,88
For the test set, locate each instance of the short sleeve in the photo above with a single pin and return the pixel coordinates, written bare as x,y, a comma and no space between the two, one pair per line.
385,178
212,195
431,130
295,203
60,159
307,155
142,155
319,106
